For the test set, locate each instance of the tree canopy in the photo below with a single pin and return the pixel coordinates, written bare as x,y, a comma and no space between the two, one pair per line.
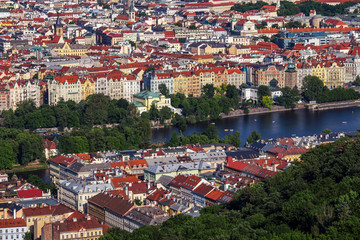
317,198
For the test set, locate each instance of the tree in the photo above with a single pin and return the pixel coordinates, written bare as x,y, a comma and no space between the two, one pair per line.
262,25
209,90
289,97
327,131
8,156
267,102
165,114
293,24
192,27
174,141
28,236
154,113
357,81
164,90
179,122
254,137
313,88
211,132
263,91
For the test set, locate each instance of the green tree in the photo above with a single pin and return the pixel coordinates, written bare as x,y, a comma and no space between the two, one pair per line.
254,137
179,122
8,156
209,90
313,88
154,113
165,114
263,91
164,90
174,140
192,27
357,81
327,131
267,102
289,97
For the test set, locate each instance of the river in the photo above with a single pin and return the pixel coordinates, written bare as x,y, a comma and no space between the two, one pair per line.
269,125
275,125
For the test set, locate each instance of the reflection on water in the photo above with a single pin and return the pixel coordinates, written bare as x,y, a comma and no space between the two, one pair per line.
44,174
274,125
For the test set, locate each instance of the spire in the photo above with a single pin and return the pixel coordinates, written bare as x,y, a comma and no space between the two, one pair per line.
58,22
132,8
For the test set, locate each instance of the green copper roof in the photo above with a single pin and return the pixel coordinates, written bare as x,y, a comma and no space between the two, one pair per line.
146,94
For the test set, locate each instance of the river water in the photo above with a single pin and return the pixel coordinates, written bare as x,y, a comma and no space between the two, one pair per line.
275,125
269,125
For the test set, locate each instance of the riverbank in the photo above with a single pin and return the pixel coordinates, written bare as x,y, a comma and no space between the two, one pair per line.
28,168
300,106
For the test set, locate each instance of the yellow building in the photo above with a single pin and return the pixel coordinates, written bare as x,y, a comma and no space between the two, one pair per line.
238,49
87,88
215,49
71,49
36,218
331,73
207,76
194,85
221,76
181,83
145,99
203,58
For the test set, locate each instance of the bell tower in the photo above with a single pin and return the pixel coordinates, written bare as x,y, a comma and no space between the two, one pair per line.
132,12
58,27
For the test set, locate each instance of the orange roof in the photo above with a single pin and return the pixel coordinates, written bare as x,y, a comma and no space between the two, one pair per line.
214,195
118,181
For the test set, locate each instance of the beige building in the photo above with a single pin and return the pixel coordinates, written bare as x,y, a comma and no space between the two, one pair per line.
66,88
36,218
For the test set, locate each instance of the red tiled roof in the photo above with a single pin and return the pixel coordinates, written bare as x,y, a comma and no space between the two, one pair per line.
63,160
118,181
29,193
214,195
48,210
9,223
203,189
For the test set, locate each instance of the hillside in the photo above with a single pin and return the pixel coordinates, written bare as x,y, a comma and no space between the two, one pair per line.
315,199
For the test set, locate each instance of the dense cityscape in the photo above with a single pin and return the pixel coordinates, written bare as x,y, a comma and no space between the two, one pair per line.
85,84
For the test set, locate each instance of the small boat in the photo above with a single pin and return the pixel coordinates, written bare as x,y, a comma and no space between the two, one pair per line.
212,123
273,121
231,130
226,130
254,120
344,122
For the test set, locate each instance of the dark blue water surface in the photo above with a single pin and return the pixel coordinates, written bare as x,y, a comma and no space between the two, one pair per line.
269,125
275,125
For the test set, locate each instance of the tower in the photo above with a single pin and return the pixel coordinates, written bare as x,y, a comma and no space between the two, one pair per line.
233,22
58,27
132,12
277,5
291,75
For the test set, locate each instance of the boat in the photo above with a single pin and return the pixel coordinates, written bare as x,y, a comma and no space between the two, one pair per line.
254,120
344,122
273,121
212,123
226,130
231,130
